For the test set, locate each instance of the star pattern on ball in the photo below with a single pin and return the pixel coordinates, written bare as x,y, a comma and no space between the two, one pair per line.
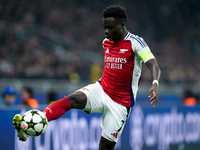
35,121
33,112
31,124
44,122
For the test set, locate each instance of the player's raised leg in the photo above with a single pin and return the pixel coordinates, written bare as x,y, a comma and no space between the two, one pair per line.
54,111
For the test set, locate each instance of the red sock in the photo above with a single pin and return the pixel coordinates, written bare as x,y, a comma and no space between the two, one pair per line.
57,109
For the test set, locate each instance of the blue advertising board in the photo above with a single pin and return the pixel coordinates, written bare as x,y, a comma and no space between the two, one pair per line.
161,128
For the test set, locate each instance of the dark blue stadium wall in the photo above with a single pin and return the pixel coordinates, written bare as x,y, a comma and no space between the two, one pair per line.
161,128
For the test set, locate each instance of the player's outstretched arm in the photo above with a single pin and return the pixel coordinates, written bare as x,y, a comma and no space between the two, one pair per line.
155,74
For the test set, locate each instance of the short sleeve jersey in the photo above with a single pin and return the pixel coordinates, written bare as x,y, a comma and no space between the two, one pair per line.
122,68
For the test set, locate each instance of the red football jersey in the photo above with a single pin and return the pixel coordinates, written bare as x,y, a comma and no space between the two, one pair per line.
122,68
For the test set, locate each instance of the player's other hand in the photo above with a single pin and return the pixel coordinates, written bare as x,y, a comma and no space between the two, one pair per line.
153,95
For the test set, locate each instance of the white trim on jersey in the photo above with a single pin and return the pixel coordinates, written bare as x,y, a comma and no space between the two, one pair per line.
127,36
136,76
138,46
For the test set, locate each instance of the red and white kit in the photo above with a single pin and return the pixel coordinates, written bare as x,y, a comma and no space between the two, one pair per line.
114,94
122,68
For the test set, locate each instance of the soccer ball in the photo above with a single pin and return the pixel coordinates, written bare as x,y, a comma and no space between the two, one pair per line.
34,122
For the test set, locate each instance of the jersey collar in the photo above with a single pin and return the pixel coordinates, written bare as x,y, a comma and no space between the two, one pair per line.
126,37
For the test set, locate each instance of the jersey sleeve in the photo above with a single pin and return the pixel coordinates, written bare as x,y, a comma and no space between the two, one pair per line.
141,48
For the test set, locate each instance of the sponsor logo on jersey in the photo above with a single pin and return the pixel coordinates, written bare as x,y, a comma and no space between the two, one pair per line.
123,50
115,59
114,62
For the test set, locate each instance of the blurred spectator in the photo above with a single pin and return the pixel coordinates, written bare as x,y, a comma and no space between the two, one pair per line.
74,78
190,99
51,97
27,98
60,37
96,71
9,96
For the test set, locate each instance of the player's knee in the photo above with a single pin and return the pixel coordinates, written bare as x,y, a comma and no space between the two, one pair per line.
77,100
106,144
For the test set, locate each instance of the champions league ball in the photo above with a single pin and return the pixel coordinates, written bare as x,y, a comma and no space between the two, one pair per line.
34,122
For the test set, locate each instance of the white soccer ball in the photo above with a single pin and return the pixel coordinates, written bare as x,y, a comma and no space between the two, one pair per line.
34,122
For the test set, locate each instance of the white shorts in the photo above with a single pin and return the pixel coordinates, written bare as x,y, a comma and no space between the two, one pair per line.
114,115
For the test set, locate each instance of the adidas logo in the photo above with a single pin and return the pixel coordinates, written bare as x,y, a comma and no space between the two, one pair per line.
24,126
107,51
114,134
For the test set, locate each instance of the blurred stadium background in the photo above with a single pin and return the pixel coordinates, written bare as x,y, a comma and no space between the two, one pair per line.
56,46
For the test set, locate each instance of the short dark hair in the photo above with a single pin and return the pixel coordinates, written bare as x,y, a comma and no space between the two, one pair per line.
115,11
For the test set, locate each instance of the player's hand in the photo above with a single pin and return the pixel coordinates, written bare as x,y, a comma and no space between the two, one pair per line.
153,95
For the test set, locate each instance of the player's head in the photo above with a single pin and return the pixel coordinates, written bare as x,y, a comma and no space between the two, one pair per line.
114,21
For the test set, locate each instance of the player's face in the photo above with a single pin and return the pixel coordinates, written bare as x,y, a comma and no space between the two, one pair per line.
113,29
